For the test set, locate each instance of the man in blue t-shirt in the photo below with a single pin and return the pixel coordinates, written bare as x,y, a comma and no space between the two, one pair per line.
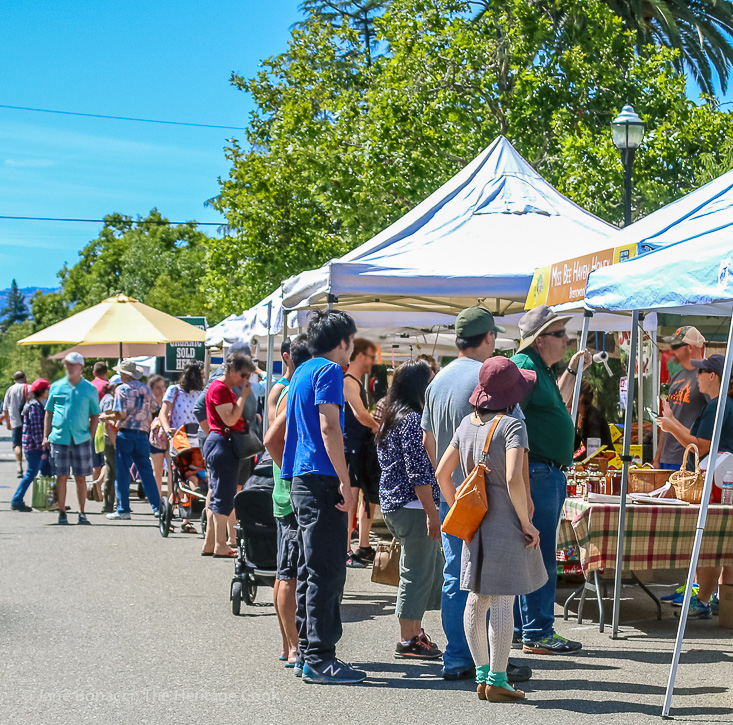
321,494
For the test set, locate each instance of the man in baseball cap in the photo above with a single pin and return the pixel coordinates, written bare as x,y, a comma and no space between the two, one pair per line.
684,399
551,434
72,414
446,405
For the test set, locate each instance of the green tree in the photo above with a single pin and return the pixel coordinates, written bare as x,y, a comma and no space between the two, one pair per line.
15,309
338,148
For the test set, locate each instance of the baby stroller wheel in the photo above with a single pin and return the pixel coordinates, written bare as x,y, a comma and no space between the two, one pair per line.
165,517
251,592
236,597
204,522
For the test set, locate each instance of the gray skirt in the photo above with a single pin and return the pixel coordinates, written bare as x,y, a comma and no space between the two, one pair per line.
496,561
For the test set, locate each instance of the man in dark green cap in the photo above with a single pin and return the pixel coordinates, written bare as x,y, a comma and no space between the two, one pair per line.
446,405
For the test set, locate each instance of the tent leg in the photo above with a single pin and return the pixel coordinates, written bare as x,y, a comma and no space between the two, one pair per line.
701,518
655,388
631,377
268,366
579,378
640,405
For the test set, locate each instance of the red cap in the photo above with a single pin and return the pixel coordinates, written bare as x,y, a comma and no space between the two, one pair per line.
501,384
40,385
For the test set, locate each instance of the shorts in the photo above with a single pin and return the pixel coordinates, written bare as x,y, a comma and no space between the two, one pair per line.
97,459
287,547
17,436
364,473
157,451
75,458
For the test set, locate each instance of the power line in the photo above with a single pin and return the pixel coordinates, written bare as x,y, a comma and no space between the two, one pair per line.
121,118
102,221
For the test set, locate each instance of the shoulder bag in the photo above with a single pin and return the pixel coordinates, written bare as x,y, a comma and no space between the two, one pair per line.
471,504
245,443
386,566
158,437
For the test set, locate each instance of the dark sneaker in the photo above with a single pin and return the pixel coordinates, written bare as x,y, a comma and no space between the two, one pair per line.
454,675
554,645
420,647
517,640
19,473
697,610
334,673
20,507
518,673
353,561
83,520
63,520
715,604
365,554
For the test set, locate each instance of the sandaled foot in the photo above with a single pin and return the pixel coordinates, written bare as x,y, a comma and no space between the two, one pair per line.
188,528
495,693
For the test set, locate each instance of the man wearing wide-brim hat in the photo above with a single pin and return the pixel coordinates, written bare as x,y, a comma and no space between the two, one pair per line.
133,412
551,434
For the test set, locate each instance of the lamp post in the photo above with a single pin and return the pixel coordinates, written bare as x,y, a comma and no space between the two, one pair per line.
628,131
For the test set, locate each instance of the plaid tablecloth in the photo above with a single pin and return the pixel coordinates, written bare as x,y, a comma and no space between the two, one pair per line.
657,537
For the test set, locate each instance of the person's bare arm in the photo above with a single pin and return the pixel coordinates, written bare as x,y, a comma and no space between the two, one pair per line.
428,441
518,494
275,439
353,398
164,416
93,423
672,426
425,496
333,439
525,473
566,383
230,413
6,413
444,474
47,419
272,399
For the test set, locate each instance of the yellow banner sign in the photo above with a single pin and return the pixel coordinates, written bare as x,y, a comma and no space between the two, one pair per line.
565,281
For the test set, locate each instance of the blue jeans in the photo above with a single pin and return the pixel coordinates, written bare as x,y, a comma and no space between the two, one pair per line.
133,446
322,538
548,487
35,461
456,656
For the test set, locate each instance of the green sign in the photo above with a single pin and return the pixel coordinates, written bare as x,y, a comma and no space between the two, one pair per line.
178,354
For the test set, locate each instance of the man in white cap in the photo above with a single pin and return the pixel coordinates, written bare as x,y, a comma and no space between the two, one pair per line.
684,398
133,412
72,413
551,434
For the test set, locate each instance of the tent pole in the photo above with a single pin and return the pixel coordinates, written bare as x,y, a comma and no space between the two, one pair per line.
701,518
268,366
640,405
628,417
655,388
581,368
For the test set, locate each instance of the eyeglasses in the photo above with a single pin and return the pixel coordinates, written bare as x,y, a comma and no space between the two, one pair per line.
558,333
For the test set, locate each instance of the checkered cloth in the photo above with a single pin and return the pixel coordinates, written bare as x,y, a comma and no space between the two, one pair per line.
657,537
76,457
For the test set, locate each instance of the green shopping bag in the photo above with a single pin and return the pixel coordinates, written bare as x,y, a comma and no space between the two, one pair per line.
44,493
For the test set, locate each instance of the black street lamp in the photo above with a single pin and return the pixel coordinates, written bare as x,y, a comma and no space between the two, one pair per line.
628,131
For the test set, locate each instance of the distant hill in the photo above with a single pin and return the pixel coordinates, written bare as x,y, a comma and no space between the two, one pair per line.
28,292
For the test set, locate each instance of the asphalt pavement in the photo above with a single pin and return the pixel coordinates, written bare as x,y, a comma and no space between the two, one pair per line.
111,623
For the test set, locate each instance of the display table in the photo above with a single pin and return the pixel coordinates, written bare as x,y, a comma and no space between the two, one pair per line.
657,537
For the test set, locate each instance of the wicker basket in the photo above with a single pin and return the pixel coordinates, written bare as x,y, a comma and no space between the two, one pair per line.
647,479
688,485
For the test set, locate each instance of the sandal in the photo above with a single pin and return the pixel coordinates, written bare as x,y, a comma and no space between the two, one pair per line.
230,555
188,528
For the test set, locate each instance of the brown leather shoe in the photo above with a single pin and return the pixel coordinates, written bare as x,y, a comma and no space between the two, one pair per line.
494,693
481,690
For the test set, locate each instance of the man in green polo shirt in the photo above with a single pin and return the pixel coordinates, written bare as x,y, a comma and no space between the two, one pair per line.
551,439
72,413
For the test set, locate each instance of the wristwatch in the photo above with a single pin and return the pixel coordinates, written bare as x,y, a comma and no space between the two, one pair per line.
571,371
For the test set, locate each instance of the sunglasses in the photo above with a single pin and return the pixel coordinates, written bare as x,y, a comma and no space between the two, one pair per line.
558,334
703,370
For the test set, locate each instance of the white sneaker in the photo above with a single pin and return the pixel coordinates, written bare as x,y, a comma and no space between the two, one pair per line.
117,516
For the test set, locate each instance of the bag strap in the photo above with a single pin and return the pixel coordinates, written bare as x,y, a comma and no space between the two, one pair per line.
173,405
487,445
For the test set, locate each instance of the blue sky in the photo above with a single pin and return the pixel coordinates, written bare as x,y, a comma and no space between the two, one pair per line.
162,60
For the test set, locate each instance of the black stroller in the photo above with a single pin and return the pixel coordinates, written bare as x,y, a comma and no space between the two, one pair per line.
256,562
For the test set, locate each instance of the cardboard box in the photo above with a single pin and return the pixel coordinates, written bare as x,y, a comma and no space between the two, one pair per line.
725,594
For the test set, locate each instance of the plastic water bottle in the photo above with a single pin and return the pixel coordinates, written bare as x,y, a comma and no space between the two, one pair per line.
726,497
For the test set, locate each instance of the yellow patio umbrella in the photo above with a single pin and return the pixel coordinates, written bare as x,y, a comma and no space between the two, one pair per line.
117,320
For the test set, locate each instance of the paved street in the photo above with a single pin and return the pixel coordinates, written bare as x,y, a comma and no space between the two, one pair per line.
113,624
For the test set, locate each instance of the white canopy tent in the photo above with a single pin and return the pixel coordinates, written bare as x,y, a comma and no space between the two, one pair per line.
476,240
691,276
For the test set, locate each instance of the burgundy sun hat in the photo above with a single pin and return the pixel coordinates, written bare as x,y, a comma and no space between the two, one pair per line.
501,384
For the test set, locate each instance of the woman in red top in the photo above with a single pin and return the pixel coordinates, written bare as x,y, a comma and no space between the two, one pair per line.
224,415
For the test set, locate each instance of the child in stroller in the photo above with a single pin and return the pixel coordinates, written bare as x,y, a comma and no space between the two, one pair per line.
188,482
256,561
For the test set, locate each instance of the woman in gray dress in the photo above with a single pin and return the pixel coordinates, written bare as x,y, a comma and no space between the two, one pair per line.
503,558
